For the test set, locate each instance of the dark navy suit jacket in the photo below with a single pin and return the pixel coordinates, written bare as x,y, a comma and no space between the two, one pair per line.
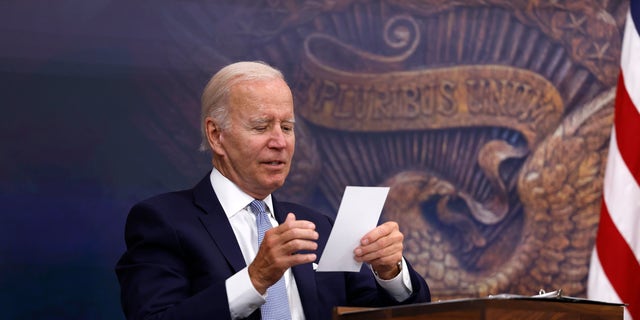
181,249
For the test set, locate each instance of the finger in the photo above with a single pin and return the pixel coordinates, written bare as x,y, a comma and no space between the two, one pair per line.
298,259
299,245
291,241
294,241
290,222
291,231
276,252
379,232
300,234
393,239
389,253
279,258
272,261
390,245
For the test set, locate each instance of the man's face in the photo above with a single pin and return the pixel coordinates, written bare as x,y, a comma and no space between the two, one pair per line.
255,152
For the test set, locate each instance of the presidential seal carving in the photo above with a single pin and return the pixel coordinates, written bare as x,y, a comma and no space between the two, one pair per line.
494,168
489,120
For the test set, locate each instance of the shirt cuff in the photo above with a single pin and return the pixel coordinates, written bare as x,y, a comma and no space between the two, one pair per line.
400,287
243,298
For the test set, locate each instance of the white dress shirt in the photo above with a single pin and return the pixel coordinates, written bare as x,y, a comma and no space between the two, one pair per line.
242,296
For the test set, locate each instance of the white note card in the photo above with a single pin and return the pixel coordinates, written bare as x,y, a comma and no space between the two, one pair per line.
358,214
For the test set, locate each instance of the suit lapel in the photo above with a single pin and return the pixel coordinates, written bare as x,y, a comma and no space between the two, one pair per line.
217,223
305,280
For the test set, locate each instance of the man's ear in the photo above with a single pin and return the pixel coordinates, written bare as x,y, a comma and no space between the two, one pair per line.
214,135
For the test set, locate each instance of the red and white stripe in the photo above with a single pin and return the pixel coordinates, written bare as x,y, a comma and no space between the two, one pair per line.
615,264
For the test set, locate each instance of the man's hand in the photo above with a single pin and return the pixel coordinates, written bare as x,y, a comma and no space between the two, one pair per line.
279,251
382,249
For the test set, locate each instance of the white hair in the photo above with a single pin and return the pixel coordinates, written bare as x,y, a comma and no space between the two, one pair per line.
215,96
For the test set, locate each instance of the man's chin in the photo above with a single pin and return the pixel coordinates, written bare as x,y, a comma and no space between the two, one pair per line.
275,184
273,180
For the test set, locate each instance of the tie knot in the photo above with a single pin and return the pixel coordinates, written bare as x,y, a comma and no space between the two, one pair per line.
258,206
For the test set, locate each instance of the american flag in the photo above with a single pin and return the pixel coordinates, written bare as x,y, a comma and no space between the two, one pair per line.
615,264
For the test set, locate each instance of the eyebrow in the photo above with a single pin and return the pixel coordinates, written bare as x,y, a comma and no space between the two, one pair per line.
268,119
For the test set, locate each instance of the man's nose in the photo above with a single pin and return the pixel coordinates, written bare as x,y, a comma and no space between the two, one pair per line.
277,139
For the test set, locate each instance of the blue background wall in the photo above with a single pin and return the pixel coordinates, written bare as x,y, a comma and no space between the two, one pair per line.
72,158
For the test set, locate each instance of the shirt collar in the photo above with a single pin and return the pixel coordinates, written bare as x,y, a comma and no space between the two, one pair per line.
231,197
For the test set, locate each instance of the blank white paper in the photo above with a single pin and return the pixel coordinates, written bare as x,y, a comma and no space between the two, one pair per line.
358,214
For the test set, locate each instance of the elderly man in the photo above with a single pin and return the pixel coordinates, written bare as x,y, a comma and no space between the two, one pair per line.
227,249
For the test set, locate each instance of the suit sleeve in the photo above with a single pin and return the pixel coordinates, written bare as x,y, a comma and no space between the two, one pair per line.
155,279
363,290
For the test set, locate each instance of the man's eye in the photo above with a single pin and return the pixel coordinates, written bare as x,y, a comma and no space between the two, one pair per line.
287,128
260,128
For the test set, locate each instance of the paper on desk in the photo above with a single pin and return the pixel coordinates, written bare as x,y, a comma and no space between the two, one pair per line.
358,214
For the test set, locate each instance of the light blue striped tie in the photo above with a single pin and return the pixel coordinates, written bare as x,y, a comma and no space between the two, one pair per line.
277,305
